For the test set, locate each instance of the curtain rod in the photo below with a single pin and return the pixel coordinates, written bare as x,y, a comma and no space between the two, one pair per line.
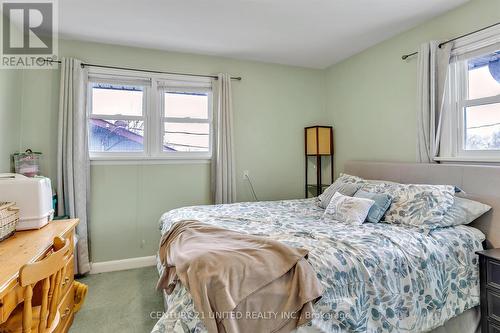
406,56
238,78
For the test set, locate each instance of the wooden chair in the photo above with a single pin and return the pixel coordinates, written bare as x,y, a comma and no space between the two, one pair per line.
47,274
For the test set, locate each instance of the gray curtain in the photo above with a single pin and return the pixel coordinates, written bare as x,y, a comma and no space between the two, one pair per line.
223,165
432,72
72,155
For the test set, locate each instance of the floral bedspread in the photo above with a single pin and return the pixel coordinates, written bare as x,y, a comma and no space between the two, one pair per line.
376,277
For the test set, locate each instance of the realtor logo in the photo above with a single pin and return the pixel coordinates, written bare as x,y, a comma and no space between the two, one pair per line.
29,37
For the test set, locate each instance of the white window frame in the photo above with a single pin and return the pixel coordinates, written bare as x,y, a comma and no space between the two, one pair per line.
152,114
457,103
163,119
145,117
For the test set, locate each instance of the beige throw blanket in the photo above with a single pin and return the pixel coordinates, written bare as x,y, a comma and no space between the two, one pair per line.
239,283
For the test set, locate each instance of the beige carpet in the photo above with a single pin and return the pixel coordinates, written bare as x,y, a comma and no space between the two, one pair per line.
119,302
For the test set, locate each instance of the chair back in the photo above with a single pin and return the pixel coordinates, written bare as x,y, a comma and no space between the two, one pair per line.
49,271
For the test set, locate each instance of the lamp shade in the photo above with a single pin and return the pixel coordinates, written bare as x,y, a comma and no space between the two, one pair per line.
319,140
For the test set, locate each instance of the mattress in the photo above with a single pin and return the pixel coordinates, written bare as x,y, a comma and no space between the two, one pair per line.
376,277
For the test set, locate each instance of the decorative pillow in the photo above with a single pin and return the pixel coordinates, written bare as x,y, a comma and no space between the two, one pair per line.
346,178
463,211
348,209
382,203
419,205
338,186
374,186
414,205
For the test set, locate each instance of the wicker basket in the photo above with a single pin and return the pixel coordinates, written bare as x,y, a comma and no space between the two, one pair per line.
9,216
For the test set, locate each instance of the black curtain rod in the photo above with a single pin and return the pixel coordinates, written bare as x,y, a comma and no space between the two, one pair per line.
238,78
406,56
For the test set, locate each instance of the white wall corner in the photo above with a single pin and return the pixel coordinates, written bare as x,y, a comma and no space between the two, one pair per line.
121,265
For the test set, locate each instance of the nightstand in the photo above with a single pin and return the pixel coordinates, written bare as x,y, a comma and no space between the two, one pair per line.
489,274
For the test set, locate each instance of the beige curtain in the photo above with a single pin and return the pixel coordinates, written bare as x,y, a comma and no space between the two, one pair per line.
72,155
223,165
432,72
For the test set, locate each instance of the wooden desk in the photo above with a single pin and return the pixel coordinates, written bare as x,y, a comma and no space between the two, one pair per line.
30,246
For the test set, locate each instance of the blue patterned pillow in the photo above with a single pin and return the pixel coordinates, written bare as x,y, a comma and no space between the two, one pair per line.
420,205
382,203
373,186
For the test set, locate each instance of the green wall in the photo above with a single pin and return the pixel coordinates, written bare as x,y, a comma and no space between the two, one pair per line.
272,104
10,115
371,97
10,106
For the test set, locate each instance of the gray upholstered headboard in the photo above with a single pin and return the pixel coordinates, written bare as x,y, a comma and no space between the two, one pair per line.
481,183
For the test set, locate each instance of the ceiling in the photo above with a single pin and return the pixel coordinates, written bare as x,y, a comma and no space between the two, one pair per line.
309,33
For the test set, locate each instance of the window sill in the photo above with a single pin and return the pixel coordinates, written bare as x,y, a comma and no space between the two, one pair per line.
147,161
474,160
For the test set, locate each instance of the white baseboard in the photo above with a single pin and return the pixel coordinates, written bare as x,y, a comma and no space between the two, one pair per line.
121,265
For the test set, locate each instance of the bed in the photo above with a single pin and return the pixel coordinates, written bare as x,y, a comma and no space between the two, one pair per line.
376,277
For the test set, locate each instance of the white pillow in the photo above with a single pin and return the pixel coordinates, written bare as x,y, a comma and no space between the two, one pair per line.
348,209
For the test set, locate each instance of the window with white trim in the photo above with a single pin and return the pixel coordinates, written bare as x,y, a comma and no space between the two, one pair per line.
475,96
148,117
186,119
117,118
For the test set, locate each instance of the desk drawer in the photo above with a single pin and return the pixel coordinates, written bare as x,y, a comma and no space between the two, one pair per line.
68,278
66,309
9,302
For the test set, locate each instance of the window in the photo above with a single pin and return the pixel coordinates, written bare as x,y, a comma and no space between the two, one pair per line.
151,117
186,122
117,118
475,97
482,103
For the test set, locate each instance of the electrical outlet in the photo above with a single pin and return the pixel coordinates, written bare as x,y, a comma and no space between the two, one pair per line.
246,174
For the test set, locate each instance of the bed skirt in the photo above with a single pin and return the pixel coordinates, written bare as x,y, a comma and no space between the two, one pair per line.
467,322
